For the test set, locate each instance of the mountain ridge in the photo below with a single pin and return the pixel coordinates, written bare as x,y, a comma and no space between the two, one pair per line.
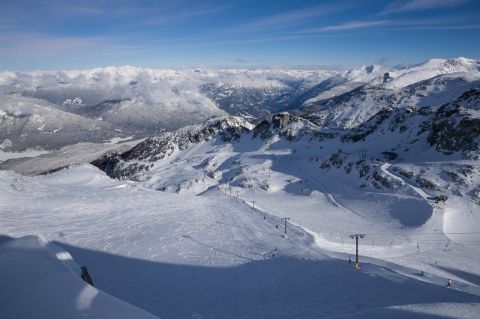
133,101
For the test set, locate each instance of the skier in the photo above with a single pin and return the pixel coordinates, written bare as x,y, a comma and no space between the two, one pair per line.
349,259
275,250
449,283
86,276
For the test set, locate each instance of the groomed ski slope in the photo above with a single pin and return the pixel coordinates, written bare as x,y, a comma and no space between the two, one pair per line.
211,256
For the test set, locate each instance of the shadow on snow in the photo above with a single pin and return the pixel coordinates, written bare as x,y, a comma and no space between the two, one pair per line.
274,288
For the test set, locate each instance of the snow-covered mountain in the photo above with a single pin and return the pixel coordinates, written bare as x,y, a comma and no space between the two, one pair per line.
123,101
344,82
432,149
130,101
432,83
191,221
27,123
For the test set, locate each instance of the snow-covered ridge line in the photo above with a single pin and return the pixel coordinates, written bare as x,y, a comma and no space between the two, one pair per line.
351,109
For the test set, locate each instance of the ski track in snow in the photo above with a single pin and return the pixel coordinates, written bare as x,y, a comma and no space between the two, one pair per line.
384,167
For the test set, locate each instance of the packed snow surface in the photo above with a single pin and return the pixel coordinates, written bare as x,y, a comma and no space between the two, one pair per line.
41,280
213,255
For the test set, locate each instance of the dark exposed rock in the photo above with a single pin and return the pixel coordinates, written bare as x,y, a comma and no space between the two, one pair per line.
363,168
385,181
337,159
403,172
280,124
163,145
262,130
455,177
476,194
455,134
439,198
348,167
280,120
386,77
368,127
425,183
390,155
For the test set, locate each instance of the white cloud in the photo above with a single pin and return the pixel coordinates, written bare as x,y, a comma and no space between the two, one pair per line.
42,45
85,10
352,25
440,23
174,17
415,5
286,19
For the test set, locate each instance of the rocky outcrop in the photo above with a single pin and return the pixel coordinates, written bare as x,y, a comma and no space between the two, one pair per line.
144,154
280,120
455,130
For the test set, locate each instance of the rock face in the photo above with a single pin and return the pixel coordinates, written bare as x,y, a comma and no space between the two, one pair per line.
456,128
280,120
452,128
476,194
453,135
288,126
386,77
141,157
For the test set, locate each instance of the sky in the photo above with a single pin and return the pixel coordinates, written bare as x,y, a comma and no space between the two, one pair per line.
52,35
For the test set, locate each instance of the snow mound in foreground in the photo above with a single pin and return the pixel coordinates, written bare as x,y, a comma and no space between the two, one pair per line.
39,281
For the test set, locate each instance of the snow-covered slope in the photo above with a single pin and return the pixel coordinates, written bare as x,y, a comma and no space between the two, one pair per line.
47,162
41,280
345,82
286,156
213,256
430,69
432,83
31,123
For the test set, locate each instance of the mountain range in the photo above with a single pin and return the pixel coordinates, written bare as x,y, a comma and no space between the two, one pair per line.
242,193
49,110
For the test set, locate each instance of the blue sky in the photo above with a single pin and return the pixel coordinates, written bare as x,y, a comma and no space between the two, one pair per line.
38,34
